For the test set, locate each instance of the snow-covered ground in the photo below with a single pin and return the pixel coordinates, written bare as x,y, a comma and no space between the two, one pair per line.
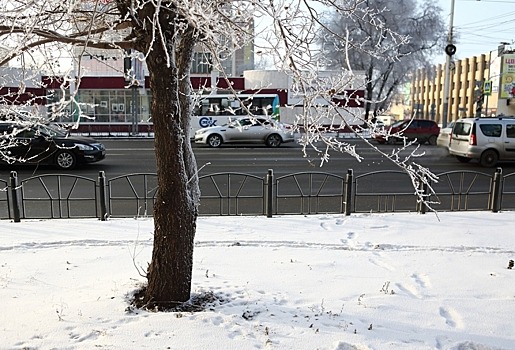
381,281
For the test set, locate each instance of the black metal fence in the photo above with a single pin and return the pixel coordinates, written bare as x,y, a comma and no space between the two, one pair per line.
71,196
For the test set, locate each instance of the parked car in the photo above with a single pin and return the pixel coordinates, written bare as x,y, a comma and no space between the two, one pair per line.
421,130
386,119
488,140
377,124
376,127
28,143
245,130
7,114
445,136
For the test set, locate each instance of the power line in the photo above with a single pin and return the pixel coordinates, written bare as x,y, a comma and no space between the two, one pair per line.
493,21
492,1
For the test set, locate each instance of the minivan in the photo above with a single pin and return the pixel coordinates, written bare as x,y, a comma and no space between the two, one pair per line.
488,140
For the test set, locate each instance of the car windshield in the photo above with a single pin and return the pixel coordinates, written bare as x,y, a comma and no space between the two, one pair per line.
235,123
398,123
48,130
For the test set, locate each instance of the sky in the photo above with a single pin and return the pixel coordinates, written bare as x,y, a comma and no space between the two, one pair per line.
480,25
334,282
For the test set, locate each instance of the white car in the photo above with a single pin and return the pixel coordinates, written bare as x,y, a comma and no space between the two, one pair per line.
246,130
445,136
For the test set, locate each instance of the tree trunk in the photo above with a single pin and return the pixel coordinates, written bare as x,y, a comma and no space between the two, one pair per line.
369,91
176,205
369,95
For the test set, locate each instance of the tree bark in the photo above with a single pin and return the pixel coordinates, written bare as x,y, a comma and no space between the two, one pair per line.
176,205
369,92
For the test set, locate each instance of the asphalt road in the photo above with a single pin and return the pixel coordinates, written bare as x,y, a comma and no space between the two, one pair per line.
136,156
126,156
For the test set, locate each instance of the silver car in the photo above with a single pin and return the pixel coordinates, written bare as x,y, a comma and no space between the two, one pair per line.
488,140
246,130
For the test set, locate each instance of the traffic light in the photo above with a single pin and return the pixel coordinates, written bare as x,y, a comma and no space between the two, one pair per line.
450,49
478,93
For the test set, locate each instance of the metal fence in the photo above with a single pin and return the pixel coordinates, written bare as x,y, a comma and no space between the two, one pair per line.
71,196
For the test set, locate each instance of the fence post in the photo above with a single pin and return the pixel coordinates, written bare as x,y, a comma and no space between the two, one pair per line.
424,195
102,195
13,187
495,203
348,192
269,193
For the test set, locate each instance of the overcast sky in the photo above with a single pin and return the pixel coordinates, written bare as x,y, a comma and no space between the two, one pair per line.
480,25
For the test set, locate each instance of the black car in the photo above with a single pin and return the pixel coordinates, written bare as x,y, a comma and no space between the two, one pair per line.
28,143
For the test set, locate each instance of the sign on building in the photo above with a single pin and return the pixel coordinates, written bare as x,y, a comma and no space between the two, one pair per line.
487,88
507,89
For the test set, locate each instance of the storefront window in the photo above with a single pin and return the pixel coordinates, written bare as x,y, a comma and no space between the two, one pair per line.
117,103
103,106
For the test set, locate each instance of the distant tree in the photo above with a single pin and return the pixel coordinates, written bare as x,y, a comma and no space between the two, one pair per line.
39,35
420,25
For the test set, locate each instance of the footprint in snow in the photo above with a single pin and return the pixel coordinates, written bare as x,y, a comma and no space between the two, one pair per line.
324,226
340,222
451,316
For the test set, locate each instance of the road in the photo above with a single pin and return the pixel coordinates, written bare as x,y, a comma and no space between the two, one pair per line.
137,156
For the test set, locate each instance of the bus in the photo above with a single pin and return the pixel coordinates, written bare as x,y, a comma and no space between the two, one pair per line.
208,110
219,109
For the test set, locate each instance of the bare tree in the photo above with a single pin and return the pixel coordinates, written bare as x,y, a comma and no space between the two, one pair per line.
421,25
38,34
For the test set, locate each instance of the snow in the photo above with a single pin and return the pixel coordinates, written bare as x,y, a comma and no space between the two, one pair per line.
366,281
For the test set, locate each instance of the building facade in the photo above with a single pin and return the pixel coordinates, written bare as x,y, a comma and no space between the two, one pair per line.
467,94
105,96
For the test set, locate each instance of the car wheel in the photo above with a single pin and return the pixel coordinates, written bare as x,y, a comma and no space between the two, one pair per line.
214,140
489,158
463,159
391,141
273,140
65,160
432,140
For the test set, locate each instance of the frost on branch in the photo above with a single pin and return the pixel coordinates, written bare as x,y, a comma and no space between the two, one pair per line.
371,45
39,36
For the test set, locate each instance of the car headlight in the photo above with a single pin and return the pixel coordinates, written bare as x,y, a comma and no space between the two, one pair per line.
84,147
98,146
200,132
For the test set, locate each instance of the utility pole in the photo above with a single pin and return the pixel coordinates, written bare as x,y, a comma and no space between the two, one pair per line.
450,50
131,72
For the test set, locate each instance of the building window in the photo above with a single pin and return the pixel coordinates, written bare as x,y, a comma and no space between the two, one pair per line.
202,63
